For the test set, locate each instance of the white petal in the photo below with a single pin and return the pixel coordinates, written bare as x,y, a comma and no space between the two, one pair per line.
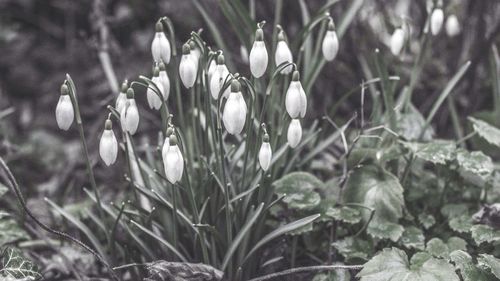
293,100
154,100
437,19
164,149
258,59
121,101
452,26
217,81
330,46
187,71
108,147
211,69
129,118
303,101
265,155
234,115
283,54
174,164
64,112
294,133
397,41
165,82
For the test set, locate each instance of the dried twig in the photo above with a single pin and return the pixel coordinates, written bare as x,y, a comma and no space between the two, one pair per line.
306,269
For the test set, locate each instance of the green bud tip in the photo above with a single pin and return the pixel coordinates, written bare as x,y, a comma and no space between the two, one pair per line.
220,59
265,138
64,89
235,86
173,140
281,36
156,71
169,132
259,35
295,76
162,67
130,93
108,125
159,27
186,49
124,86
331,25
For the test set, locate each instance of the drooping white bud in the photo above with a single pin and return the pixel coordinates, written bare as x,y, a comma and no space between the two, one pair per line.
122,97
397,41
294,134
160,47
258,55
129,117
437,18
187,67
108,146
195,53
64,109
330,46
218,78
173,161
235,110
265,154
154,100
164,81
295,99
452,26
211,69
283,54
166,143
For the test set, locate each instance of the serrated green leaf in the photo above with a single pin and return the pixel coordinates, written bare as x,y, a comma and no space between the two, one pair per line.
413,237
418,259
490,262
438,248
410,125
476,163
488,132
300,190
345,214
15,265
437,152
426,220
484,233
383,229
392,264
461,224
354,248
454,210
456,243
468,270
10,230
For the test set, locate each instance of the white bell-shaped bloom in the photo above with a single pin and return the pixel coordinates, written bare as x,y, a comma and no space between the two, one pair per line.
160,47
211,69
235,110
195,53
64,109
283,54
258,55
108,146
452,26
265,154
218,78
129,117
173,161
397,41
121,100
164,81
294,134
295,99
154,100
437,18
187,67
330,46
166,142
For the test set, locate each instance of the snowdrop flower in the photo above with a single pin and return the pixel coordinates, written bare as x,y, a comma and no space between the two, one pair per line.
108,146
294,133
296,100
154,100
166,143
164,81
258,55
160,48
187,68
195,53
437,18
122,97
330,45
452,26
218,78
173,161
211,69
235,110
265,153
397,41
64,109
283,53
129,116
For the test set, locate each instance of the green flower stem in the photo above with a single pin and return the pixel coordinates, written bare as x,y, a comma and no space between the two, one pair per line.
174,214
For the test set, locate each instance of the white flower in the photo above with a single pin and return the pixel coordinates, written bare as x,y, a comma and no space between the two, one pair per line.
330,46
211,69
452,26
187,68
295,99
122,97
283,54
160,47
166,143
265,154
218,78
195,53
397,41
64,109
437,18
129,116
154,100
294,133
108,146
258,55
235,110
164,81
173,161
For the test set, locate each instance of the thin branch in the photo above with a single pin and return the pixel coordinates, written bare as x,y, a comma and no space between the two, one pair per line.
306,269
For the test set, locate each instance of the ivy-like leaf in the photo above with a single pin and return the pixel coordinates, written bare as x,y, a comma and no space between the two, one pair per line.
10,230
490,262
488,132
438,248
475,163
427,220
392,264
15,265
484,233
354,248
437,152
345,214
384,229
461,224
413,237
300,190
468,270
411,123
